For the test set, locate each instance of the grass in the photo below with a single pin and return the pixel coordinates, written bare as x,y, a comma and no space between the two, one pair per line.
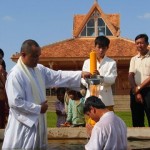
126,116
51,119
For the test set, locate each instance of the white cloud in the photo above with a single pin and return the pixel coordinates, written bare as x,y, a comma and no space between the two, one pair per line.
145,16
8,18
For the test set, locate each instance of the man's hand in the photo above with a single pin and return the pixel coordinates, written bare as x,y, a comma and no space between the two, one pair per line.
139,98
136,90
96,72
86,74
44,107
58,112
89,128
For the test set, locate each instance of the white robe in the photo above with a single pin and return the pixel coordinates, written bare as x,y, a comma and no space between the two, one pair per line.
22,129
109,133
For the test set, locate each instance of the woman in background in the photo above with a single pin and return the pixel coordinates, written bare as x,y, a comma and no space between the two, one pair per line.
3,97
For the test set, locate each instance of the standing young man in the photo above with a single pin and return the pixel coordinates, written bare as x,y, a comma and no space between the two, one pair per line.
139,78
106,67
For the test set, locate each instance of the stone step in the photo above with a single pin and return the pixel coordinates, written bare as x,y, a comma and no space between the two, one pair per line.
80,132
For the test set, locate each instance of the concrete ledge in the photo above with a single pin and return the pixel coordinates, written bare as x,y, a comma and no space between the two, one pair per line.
138,133
67,133
80,133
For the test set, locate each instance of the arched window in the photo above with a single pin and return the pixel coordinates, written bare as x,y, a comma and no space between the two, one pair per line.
96,26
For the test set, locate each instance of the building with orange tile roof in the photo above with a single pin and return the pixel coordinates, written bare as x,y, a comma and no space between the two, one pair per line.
69,54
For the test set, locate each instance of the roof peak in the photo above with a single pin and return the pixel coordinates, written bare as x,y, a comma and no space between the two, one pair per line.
95,1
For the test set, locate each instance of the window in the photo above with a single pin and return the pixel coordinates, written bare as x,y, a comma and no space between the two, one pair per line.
89,28
95,26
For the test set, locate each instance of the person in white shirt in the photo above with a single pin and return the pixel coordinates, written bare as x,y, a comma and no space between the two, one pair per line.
25,87
106,68
139,79
109,132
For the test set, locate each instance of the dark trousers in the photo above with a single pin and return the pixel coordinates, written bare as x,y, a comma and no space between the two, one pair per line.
2,114
139,110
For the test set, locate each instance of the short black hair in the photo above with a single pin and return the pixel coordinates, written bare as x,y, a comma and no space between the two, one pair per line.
4,65
102,41
27,45
75,93
3,62
93,101
142,36
1,52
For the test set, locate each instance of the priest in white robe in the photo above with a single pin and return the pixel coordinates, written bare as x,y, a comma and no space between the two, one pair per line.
25,87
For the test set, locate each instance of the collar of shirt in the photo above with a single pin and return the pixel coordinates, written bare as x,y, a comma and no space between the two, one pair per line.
146,55
100,63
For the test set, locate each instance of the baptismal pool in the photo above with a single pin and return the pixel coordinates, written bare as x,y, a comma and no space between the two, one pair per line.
79,144
67,144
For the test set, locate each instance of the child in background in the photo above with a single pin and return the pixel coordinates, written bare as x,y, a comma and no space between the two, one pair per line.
60,107
66,101
75,115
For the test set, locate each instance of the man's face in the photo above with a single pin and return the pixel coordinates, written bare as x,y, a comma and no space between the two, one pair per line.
31,59
100,51
141,45
92,114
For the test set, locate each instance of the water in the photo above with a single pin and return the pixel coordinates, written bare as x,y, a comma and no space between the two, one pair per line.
139,144
79,144
67,144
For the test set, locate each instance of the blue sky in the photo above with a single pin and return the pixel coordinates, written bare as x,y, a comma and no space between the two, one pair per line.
49,21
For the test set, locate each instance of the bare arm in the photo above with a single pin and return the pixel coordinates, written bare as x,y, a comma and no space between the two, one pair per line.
131,80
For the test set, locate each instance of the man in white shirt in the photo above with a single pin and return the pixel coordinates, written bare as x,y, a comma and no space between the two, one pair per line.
106,68
139,79
109,132
25,87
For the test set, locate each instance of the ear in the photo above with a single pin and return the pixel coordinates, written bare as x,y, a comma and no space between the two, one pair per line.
93,110
23,54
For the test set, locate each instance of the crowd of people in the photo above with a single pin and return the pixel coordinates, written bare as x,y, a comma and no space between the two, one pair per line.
23,103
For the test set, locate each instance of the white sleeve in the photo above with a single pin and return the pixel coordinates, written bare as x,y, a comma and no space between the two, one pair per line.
132,65
96,141
61,78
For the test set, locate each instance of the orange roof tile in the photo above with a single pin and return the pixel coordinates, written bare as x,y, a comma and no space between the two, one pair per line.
81,47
